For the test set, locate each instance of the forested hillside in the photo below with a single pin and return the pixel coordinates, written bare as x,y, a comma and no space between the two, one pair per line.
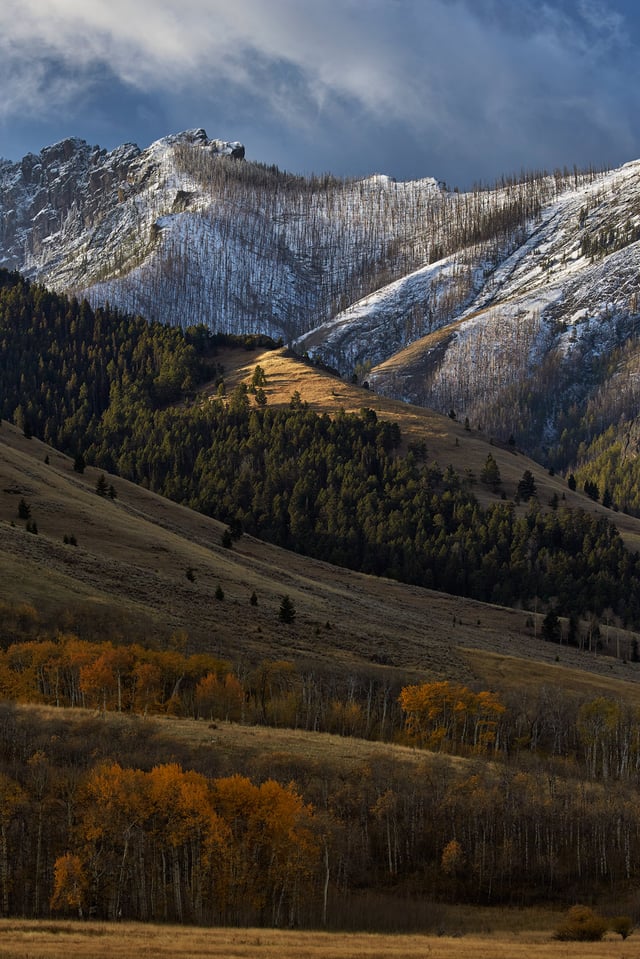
159,820
121,394
203,785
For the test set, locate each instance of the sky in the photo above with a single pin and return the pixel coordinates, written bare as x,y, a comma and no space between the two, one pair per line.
461,90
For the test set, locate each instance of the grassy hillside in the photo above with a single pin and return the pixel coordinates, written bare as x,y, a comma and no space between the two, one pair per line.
128,570
126,580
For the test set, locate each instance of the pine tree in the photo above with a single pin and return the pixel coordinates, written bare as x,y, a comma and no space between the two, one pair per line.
527,486
490,473
287,611
551,629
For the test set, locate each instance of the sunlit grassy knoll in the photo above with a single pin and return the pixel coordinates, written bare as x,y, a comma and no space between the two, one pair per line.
447,441
75,940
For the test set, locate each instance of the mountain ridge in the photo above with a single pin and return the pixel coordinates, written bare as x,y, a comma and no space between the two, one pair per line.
502,305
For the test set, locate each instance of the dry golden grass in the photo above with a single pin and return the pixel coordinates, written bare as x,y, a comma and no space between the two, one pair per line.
251,747
506,672
75,940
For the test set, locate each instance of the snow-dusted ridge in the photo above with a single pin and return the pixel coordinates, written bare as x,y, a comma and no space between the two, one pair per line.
69,213
355,272
567,295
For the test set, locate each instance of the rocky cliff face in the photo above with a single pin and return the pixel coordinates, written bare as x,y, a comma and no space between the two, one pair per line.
49,200
66,211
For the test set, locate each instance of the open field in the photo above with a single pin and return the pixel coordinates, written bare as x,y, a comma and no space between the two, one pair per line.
75,940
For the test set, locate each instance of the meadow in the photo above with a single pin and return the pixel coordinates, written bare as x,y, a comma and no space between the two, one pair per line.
522,935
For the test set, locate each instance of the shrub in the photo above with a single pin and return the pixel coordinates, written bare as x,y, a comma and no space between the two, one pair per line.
581,924
623,925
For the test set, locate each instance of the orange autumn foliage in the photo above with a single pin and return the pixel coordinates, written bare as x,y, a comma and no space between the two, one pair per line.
447,716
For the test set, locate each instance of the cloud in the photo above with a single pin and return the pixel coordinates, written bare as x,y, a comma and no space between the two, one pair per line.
458,74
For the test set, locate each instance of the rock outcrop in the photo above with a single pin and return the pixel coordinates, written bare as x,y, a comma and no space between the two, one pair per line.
53,203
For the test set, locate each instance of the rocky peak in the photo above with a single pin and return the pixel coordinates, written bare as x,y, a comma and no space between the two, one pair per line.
56,203
199,137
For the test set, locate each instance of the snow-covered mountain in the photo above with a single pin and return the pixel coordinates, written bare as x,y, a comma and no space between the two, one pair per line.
495,304
551,335
183,233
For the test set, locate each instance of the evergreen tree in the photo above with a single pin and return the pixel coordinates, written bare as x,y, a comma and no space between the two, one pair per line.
102,487
490,473
591,489
287,611
227,539
527,486
551,629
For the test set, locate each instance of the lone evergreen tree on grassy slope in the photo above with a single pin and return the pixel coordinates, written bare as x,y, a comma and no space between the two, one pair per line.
287,612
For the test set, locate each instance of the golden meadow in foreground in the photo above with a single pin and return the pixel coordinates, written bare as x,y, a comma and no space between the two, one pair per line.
73,940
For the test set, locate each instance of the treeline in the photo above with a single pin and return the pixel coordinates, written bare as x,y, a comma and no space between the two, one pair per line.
100,383
123,820
66,671
600,736
63,363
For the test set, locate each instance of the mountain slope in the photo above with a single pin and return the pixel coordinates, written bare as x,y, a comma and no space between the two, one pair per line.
127,575
515,306
566,297
184,232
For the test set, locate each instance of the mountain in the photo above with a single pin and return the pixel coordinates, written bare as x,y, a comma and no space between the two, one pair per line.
513,307
184,232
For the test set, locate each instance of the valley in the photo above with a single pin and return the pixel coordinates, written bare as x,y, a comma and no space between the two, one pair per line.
337,629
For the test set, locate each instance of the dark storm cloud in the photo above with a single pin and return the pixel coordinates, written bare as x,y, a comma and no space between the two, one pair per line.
460,89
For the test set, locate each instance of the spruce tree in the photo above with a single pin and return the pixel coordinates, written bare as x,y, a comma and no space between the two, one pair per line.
287,611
